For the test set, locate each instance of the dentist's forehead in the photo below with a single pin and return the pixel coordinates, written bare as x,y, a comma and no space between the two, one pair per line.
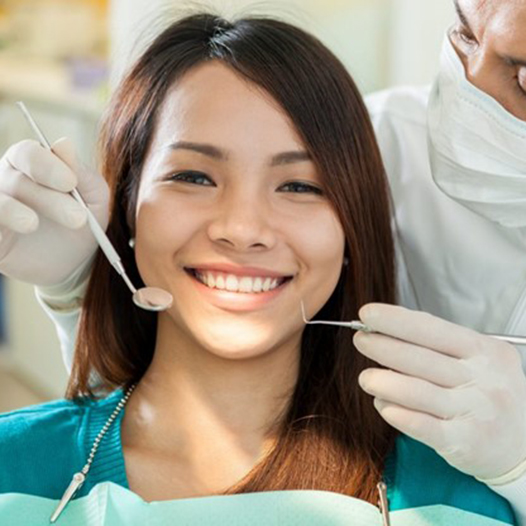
499,22
485,11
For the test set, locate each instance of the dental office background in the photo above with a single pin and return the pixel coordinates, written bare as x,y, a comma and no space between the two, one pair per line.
62,58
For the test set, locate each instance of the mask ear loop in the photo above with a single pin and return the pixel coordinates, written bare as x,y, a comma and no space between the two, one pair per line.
354,325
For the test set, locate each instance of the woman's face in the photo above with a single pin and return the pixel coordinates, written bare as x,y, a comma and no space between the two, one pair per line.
231,218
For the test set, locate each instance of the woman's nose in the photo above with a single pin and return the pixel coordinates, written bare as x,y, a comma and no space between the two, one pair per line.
242,222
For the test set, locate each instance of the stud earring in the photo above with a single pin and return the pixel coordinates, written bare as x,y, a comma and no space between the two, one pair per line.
131,242
345,261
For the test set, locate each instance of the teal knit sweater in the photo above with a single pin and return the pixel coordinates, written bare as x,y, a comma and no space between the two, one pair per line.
42,446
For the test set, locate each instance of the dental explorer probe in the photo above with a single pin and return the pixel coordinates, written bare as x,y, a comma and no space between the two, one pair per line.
148,298
360,326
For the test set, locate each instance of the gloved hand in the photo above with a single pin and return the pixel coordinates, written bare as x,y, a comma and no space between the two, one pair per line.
460,392
44,233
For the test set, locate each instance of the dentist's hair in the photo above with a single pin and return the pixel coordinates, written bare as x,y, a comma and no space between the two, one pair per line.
331,438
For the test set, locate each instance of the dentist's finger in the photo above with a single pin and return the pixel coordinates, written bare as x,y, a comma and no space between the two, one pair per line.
413,360
414,393
89,183
16,216
422,427
424,330
41,165
56,206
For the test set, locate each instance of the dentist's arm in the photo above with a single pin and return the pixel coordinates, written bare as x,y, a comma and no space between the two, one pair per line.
460,392
44,237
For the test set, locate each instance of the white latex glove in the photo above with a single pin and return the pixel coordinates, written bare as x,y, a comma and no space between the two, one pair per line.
458,391
45,238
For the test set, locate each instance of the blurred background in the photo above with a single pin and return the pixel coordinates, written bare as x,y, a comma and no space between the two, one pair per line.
62,57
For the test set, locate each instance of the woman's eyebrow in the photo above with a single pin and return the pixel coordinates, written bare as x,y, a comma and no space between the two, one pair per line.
214,152
206,149
290,157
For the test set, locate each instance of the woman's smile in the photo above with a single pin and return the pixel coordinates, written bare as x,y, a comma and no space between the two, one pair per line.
237,291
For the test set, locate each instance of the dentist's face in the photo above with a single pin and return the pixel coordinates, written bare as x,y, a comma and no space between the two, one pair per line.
490,38
232,219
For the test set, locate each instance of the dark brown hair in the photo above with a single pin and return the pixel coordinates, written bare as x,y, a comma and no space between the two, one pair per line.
331,437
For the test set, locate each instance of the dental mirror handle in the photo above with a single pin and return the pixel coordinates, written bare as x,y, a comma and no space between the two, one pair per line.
100,235
357,325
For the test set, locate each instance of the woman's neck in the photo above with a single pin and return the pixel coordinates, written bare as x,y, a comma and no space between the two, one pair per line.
213,418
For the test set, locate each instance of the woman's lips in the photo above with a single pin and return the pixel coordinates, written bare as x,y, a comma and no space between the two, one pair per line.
237,301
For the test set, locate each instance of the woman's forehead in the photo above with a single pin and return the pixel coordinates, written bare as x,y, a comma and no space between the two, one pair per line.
213,102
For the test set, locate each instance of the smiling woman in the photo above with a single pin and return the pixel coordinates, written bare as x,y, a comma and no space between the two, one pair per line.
245,175
243,167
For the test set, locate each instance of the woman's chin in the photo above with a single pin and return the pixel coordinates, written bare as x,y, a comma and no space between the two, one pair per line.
239,343
238,350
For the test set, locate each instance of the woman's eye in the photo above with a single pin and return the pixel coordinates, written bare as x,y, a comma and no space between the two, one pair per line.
301,188
192,178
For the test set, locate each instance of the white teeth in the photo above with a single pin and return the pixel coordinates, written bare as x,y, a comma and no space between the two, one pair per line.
266,284
245,284
220,283
257,285
231,283
234,283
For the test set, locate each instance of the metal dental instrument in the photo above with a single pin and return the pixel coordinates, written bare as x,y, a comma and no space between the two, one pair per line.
354,325
359,326
515,340
148,298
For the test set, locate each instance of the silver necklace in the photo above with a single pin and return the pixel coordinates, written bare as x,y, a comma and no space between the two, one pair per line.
79,478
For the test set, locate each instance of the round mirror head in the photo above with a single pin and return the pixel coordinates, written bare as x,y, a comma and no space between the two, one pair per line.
153,299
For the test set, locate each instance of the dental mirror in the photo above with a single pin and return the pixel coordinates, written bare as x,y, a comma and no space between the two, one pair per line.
152,298
147,298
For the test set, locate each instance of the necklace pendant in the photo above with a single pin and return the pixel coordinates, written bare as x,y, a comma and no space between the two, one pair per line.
76,482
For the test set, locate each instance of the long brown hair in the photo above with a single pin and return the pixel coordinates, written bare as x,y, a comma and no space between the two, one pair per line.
331,436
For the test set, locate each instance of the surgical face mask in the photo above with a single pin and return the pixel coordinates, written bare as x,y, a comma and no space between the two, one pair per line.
477,149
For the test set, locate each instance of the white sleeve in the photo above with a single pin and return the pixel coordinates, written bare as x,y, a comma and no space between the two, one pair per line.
62,303
66,323
398,116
